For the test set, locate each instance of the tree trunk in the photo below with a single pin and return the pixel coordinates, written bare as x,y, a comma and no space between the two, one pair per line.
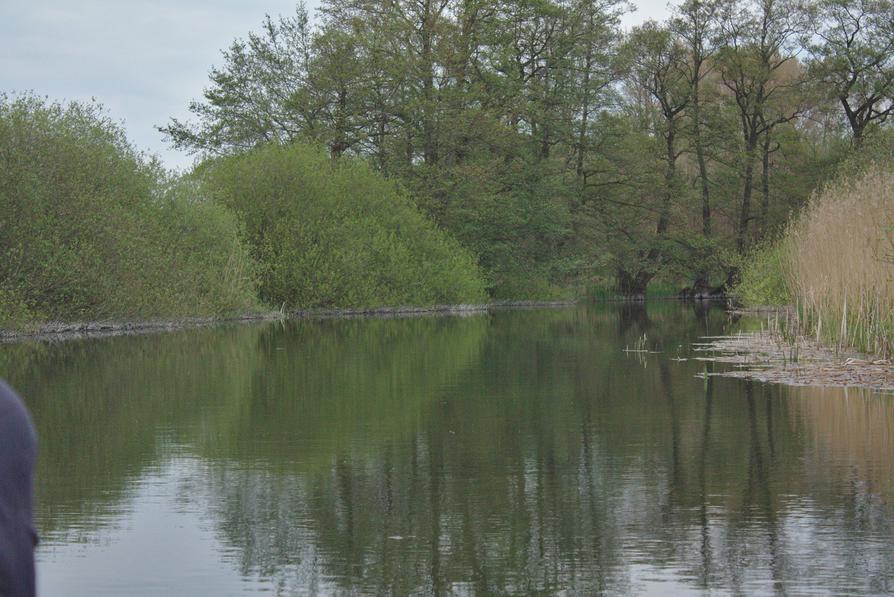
585,116
702,281
380,142
853,118
409,151
700,157
429,152
340,143
670,175
632,286
765,185
747,190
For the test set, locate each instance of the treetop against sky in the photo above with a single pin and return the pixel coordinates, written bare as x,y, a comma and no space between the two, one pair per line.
143,59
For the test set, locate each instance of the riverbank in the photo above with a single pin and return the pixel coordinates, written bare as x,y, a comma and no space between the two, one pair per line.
57,331
769,356
836,262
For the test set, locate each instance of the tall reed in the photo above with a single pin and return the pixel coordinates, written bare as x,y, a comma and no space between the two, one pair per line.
841,262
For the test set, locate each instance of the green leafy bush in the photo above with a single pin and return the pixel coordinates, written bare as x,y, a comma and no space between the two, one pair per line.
337,234
90,229
765,276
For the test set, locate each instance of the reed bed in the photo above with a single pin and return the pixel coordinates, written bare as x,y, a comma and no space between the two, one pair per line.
840,265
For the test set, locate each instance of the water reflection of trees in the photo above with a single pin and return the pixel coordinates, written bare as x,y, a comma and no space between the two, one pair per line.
559,463
108,410
520,452
325,385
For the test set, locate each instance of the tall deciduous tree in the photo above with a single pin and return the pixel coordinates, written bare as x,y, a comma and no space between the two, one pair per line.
694,24
658,67
852,58
759,41
260,94
520,128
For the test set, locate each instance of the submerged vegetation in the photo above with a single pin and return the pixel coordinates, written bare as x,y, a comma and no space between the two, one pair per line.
459,151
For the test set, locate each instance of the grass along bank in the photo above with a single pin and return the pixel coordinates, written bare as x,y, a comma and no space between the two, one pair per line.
841,256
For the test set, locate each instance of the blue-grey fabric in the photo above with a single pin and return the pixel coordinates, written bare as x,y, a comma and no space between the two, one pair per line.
18,452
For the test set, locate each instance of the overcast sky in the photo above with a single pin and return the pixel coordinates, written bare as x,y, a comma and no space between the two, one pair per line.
142,59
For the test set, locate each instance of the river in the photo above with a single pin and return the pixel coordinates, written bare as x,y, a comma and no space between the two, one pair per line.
513,452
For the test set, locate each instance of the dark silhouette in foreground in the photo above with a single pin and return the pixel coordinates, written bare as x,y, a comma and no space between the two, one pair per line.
18,452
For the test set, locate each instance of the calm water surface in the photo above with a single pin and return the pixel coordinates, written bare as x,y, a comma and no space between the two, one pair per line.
514,452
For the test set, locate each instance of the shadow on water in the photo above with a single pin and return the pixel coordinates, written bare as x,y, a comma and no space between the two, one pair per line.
513,452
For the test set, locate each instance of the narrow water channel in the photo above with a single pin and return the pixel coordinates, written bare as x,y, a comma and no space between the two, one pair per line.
515,452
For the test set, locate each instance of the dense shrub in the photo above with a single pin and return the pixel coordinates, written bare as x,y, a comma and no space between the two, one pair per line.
337,234
90,229
765,277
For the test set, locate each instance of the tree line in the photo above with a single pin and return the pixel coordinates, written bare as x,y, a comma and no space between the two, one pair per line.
414,152
559,149
91,229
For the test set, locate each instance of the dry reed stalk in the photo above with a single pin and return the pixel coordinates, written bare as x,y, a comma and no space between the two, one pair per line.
840,265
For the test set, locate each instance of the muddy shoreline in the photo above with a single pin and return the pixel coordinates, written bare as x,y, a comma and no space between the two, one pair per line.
58,331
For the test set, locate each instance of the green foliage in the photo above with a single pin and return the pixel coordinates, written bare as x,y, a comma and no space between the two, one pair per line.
876,152
558,148
14,313
764,276
544,151
512,215
851,60
334,233
92,230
